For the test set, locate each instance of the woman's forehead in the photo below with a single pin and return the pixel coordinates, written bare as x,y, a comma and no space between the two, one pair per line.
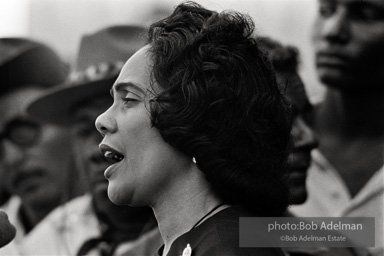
137,69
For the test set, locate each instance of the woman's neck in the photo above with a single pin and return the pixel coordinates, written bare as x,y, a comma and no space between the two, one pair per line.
184,206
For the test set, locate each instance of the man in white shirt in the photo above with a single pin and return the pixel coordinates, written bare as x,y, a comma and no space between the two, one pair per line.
346,177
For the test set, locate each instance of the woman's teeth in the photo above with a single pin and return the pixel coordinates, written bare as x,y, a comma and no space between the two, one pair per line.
109,155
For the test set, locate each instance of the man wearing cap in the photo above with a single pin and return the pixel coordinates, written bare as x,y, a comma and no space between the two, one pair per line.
92,224
39,169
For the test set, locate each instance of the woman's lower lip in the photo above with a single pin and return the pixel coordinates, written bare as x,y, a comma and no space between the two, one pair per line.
109,171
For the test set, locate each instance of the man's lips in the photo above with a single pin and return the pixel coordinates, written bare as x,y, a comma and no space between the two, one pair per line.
300,169
297,177
110,154
98,177
332,59
27,178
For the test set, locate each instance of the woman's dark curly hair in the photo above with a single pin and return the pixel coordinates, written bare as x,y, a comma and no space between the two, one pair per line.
221,105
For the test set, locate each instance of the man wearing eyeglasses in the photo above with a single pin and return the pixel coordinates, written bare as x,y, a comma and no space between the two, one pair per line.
38,168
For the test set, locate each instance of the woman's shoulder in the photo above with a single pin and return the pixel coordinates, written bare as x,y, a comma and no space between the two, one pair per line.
219,235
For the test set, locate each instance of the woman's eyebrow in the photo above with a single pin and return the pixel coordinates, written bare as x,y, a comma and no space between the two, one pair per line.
119,87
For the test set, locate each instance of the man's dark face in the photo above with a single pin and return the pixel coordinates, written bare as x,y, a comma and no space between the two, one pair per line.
36,156
86,139
302,136
348,39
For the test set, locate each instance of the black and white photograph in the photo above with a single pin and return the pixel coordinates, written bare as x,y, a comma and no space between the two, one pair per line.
192,128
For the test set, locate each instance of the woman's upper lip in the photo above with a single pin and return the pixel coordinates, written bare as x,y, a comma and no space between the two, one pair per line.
104,147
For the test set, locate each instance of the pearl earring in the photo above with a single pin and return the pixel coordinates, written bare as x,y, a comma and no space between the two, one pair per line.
193,160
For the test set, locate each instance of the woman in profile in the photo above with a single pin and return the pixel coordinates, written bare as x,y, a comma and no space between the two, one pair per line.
198,131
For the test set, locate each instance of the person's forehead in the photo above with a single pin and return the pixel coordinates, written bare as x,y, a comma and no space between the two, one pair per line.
378,3
136,70
294,89
14,104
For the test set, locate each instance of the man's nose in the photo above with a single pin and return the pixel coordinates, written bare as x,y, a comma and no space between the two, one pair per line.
303,135
10,153
336,28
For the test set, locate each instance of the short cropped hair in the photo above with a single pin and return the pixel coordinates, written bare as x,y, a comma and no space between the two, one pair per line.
283,58
220,104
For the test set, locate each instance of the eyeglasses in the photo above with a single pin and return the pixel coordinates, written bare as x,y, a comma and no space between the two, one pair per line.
22,132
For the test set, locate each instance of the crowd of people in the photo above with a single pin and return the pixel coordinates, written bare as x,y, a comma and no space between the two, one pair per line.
159,139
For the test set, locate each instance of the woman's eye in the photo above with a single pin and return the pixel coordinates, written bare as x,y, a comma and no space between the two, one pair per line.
130,98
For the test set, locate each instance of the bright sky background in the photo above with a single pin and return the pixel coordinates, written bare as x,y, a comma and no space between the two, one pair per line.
60,23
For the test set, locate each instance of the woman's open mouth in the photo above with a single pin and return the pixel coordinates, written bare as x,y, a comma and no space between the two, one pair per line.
110,155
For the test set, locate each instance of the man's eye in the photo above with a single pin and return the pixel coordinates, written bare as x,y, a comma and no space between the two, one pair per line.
83,132
327,9
367,14
24,135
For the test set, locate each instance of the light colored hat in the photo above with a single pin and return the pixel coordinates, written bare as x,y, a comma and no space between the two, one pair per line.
100,59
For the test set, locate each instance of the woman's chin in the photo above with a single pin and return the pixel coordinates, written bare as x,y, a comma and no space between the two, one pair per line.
117,196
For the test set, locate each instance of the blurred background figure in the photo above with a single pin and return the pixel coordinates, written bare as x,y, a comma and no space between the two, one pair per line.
4,192
92,224
38,164
7,230
285,61
347,176
62,23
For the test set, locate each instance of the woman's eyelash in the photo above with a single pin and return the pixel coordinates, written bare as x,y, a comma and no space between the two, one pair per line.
129,99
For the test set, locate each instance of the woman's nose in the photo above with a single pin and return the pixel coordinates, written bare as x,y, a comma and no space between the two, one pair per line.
105,123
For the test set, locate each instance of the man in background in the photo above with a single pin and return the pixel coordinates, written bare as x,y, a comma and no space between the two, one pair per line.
347,176
38,164
285,61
